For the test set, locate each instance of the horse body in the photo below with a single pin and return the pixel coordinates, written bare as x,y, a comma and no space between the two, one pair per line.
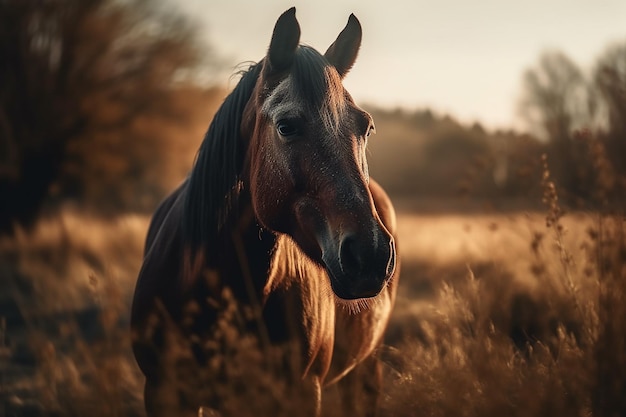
279,216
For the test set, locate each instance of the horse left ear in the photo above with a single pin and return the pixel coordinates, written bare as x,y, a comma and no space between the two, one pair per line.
285,40
342,53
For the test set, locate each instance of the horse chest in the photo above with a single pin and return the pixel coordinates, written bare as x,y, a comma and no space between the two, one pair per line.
299,307
357,335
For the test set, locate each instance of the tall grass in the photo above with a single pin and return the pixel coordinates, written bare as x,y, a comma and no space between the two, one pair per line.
519,314
558,349
65,297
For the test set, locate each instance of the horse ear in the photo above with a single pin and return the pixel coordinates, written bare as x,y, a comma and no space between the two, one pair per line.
285,40
342,53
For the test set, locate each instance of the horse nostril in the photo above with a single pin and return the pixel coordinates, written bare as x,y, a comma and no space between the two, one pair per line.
349,255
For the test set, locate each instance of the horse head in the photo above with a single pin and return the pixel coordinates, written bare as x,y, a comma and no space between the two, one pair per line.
306,161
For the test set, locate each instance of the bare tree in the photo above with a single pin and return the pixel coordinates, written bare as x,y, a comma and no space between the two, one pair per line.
556,101
610,81
75,78
555,96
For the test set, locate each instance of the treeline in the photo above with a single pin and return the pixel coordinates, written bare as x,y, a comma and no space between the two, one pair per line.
99,104
577,121
420,154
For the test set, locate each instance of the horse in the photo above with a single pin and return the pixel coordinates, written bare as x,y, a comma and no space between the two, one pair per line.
277,239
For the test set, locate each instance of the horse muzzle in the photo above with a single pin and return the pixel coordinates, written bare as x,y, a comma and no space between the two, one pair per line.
358,252
360,268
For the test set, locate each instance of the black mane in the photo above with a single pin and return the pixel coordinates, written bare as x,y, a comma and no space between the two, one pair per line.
217,169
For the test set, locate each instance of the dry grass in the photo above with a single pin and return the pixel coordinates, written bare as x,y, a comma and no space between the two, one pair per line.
496,331
497,315
66,291
520,315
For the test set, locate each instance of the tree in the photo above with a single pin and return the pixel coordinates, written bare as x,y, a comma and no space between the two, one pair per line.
77,79
555,96
609,78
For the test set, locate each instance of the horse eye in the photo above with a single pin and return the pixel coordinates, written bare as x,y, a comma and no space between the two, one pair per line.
286,128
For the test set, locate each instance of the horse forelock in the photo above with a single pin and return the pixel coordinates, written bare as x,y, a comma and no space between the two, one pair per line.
313,86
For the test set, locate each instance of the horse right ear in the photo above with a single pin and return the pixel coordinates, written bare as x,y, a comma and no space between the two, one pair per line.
342,53
285,40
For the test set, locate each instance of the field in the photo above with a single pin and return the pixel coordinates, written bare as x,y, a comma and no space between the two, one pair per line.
507,305
497,315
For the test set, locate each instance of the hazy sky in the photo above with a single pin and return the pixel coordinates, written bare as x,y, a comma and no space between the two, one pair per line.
462,57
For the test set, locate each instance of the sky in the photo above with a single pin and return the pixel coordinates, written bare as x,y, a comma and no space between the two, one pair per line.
459,57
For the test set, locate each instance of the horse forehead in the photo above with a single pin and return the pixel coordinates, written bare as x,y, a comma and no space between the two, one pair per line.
328,100
283,102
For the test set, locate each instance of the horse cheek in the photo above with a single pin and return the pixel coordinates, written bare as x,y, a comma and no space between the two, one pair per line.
271,187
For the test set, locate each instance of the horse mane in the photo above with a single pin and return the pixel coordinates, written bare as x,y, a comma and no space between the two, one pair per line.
216,173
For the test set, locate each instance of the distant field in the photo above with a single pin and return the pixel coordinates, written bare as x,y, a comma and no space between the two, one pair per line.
514,256
496,315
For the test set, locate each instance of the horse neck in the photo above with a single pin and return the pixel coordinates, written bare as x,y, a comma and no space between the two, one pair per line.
244,260
215,179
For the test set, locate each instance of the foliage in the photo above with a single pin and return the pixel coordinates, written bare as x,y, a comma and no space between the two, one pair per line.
539,332
609,78
555,96
91,93
560,100
421,153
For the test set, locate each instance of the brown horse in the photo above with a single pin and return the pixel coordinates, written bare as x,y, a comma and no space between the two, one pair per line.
279,219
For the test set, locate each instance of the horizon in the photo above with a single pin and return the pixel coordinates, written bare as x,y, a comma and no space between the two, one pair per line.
433,56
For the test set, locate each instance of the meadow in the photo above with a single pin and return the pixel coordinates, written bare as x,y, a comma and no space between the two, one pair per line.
505,308
512,313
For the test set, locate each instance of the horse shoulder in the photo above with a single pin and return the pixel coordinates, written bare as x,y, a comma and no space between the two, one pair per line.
384,207
158,218
387,214
357,335
157,280
299,301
